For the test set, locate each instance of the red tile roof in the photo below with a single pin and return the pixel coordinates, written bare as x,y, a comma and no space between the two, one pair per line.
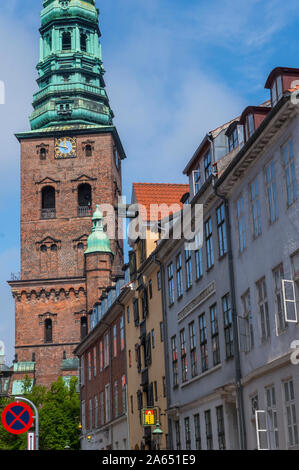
150,195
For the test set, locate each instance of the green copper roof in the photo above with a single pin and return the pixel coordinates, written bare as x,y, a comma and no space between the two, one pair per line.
98,241
71,74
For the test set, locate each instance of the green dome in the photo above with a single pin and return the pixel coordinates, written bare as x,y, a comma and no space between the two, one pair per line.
98,241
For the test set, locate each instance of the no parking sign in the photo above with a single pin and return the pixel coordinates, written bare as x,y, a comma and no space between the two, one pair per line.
17,418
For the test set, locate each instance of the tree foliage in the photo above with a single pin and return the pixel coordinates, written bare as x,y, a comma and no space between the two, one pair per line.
59,416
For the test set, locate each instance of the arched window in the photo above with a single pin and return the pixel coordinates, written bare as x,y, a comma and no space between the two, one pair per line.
83,42
88,151
84,327
42,154
84,200
66,41
48,202
48,330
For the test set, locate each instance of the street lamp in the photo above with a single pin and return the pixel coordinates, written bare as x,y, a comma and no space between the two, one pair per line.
157,436
67,447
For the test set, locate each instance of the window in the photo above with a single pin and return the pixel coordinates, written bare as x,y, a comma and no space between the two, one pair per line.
83,410
122,333
278,276
150,288
159,280
196,180
208,165
174,354
124,393
183,356
221,228
170,284
153,339
271,191
94,361
132,404
197,432
83,42
290,413
187,433
177,435
233,139
148,351
209,243
193,356
164,386
290,172
198,264
162,332
128,315
272,417
106,350
250,125
116,159
84,327
102,408
48,331
95,411
114,340
48,203
255,208
179,276
42,153
246,324
90,414
66,41
241,224
263,309
220,427
115,399
101,356
136,312
215,335
228,326
203,342
107,400
84,200
156,391
188,264
209,432
276,90
88,150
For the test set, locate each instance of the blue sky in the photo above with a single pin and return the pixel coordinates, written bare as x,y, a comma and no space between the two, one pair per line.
175,69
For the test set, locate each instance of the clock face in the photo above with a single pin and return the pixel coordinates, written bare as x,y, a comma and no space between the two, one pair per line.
65,147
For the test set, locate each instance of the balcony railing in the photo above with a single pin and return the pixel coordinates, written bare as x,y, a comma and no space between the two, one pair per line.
48,213
84,211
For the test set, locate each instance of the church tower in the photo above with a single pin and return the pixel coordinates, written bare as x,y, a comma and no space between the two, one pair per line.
70,162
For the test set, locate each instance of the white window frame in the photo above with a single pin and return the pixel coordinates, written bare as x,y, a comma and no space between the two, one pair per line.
292,301
260,430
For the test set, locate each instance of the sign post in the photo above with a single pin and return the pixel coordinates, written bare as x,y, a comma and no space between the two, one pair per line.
35,417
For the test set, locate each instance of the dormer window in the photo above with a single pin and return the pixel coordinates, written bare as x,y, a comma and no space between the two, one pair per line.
276,90
233,140
208,165
249,126
196,180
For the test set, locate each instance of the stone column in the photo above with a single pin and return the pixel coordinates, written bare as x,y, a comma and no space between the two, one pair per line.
41,49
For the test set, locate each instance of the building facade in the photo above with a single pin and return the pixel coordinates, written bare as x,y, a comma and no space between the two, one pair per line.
70,160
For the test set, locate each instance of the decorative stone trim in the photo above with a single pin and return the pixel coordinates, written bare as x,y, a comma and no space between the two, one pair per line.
204,295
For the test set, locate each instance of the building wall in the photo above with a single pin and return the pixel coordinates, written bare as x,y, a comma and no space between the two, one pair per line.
275,245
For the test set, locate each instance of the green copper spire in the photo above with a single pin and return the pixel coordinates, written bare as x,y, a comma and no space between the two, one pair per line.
98,240
71,74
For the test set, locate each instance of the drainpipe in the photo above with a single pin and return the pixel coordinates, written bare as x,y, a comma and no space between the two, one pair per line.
166,351
238,372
